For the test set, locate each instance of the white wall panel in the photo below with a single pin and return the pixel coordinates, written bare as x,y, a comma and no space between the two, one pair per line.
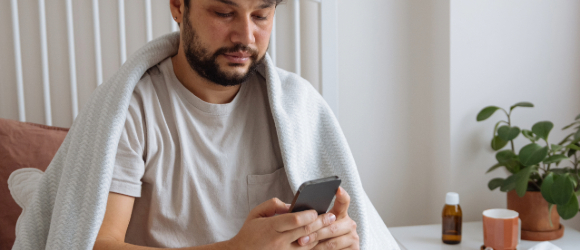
97,41
31,60
87,78
110,37
135,20
8,84
18,60
310,49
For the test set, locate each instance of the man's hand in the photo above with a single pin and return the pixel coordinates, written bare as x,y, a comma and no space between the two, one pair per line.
341,234
263,230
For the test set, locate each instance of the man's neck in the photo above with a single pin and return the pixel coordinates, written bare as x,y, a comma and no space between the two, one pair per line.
199,86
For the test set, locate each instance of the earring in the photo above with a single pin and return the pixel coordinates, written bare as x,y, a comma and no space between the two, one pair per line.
175,18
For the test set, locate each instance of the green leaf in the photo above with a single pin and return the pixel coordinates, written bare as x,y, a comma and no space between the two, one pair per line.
573,180
509,183
555,159
494,167
507,134
577,193
560,171
508,159
497,143
513,167
562,189
486,112
505,156
495,183
565,139
495,127
546,188
522,179
522,104
533,154
573,146
572,151
577,135
572,124
570,209
542,129
577,117
556,148
528,134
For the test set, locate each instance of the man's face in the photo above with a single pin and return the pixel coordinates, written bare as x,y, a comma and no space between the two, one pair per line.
225,40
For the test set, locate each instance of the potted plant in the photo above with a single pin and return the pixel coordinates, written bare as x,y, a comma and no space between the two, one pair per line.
543,181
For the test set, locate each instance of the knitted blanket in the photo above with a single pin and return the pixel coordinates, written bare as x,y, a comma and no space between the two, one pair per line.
67,208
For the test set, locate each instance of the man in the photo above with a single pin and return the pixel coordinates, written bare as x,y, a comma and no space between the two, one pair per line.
198,164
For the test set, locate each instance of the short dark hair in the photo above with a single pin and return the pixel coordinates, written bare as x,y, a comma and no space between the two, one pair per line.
186,2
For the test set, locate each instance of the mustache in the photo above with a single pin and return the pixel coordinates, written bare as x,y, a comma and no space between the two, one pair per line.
236,48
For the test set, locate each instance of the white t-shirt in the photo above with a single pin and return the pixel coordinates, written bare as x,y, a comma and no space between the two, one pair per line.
196,168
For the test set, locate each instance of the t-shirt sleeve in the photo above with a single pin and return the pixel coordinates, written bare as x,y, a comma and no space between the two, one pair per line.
129,161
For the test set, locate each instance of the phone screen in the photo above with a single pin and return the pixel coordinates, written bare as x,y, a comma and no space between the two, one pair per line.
315,194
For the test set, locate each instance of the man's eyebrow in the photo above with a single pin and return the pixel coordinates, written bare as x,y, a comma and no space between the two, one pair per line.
267,4
228,2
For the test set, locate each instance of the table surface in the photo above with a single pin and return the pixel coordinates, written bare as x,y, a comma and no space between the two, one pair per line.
429,237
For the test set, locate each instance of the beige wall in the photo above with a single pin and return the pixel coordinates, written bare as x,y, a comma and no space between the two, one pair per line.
394,103
414,74
503,52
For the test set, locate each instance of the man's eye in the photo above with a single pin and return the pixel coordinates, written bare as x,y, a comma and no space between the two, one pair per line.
261,17
224,14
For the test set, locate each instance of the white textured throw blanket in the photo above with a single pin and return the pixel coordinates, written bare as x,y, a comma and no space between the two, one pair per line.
69,204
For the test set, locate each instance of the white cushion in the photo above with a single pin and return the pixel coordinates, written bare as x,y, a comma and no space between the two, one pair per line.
22,184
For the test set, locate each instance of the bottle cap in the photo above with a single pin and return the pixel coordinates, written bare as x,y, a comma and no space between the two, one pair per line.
452,198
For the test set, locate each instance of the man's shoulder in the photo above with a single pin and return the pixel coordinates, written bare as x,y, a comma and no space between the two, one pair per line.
298,94
145,93
146,79
287,77
149,83
292,83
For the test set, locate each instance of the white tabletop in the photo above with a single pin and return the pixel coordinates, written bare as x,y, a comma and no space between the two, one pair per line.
429,237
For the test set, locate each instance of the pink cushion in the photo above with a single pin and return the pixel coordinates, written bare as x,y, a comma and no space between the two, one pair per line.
22,145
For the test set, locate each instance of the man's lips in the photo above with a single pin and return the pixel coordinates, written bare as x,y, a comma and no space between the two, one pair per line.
237,57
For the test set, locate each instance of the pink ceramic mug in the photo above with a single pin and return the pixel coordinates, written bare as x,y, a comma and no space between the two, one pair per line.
501,229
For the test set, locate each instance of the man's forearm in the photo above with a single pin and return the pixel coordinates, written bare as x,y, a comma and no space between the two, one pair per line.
106,244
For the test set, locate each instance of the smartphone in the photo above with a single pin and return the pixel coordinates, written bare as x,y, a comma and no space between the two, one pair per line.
315,194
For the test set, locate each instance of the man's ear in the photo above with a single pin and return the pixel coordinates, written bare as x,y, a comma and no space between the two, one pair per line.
177,9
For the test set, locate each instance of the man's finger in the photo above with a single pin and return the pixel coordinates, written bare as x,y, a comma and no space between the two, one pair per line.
308,246
306,234
270,208
290,221
341,242
338,228
341,203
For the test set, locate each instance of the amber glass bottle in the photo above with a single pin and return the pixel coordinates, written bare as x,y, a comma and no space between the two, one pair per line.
452,219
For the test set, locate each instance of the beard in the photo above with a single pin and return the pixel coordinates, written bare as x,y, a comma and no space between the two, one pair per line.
205,63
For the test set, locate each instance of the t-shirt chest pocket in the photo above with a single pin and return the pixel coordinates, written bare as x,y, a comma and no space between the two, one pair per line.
264,187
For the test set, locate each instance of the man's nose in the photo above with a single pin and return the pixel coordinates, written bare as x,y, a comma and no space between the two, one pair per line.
243,32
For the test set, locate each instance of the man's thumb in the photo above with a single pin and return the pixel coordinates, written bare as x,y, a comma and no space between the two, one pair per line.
341,203
270,208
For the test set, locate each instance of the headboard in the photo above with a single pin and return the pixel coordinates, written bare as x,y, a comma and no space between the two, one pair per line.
75,47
